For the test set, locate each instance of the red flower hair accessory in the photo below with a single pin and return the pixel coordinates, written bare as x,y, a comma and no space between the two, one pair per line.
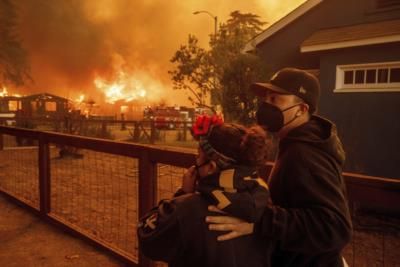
203,125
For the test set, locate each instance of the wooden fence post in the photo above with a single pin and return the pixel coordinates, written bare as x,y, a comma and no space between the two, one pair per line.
136,132
44,176
152,132
103,129
147,192
123,125
184,131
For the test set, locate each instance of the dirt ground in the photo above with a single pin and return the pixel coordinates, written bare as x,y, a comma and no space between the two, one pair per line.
27,241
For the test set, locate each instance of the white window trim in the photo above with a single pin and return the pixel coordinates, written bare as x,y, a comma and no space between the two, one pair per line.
340,87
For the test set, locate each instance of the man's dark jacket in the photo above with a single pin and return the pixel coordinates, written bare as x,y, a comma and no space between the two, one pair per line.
176,231
310,219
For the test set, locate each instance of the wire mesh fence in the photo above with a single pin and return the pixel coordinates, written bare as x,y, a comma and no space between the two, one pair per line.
169,180
19,174
97,192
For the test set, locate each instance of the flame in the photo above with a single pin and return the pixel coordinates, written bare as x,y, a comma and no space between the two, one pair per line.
102,30
142,93
128,88
80,103
80,99
4,92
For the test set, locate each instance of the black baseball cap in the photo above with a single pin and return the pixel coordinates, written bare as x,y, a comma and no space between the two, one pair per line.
292,81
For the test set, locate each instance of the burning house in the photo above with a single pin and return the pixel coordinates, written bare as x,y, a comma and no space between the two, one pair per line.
45,106
33,106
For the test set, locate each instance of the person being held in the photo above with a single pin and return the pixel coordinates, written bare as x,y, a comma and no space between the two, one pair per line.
309,221
225,175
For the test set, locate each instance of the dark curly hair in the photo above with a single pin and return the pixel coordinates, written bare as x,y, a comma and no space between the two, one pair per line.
247,146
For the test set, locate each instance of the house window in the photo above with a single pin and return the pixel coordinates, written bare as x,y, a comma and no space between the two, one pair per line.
12,105
51,106
348,77
383,75
359,79
372,77
395,75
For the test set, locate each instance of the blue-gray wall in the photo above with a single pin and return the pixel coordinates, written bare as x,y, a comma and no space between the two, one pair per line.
283,48
368,123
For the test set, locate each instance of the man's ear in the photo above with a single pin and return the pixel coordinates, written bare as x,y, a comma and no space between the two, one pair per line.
304,109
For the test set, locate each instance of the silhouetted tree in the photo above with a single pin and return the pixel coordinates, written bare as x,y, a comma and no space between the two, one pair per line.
14,67
193,71
223,70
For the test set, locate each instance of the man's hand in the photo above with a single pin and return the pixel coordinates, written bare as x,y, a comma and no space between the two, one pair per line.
237,227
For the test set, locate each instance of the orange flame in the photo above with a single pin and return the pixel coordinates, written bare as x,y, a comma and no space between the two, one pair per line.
4,92
79,102
123,88
129,88
80,99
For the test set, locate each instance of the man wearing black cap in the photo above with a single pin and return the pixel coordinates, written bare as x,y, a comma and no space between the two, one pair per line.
310,219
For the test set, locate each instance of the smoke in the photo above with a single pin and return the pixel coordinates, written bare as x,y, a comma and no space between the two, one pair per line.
72,42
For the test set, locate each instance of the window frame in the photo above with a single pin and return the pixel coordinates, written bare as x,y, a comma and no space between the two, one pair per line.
50,106
340,86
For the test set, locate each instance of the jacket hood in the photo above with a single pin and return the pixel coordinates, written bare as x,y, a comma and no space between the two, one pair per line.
320,133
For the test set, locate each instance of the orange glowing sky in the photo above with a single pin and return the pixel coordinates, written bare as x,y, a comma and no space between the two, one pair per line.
71,42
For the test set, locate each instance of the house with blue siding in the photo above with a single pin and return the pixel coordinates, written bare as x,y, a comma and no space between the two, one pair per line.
353,47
